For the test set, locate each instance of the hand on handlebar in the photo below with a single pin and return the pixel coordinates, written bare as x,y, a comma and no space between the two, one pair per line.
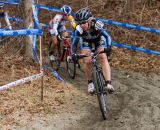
108,51
74,57
60,37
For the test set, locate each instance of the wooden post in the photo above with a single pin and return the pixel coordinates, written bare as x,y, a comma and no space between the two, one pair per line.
41,65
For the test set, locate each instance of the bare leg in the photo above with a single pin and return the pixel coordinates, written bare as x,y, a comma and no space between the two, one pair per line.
105,65
54,42
64,34
87,64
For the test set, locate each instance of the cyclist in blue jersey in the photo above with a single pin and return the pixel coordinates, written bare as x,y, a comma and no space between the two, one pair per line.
91,32
4,14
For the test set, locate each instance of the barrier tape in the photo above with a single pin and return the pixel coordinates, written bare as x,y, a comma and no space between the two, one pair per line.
126,25
35,55
54,73
44,25
21,32
16,19
10,1
135,48
111,22
4,29
20,81
48,8
35,15
130,47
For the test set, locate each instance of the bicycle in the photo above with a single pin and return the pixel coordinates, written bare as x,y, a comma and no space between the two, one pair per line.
98,80
60,53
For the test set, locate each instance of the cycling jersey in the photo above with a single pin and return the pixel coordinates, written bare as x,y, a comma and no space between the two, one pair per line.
99,37
57,24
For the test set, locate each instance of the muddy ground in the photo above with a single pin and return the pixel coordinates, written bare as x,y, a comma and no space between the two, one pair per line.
135,105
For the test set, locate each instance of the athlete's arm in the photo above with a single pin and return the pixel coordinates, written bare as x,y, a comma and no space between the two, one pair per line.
107,36
7,21
75,40
54,25
72,21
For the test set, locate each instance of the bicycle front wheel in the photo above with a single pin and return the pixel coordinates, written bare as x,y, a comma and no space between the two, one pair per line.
71,67
54,58
99,83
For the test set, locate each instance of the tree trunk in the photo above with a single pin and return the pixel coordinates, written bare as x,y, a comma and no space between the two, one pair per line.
27,16
130,5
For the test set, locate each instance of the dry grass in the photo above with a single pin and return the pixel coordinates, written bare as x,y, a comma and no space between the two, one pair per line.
144,13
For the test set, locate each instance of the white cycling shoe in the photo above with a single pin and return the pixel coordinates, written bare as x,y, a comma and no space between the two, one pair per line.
91,88
110,88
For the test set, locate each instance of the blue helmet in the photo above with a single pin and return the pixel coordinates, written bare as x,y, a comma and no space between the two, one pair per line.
66,9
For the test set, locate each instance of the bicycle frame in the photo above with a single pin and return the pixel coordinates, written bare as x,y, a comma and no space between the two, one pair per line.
66,49
98,80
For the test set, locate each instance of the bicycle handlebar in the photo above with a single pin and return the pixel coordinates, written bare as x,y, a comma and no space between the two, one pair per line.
63,38
92,54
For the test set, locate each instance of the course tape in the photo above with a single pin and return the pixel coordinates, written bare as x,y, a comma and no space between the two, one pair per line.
48,8
54,73
130,47
4,29
44,25
16,19
111,22
21,32
35,15
126,25
35,55
10,1
20,81
135,48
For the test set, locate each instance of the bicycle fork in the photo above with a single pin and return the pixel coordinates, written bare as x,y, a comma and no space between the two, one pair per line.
101,84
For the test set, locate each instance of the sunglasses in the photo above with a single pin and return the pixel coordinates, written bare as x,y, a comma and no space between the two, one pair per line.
83,22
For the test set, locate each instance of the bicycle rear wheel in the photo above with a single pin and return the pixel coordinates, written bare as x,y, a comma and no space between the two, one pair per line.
99,83
71,67
54,57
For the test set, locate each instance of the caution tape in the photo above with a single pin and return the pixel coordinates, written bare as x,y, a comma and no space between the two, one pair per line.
131,26
54,73
21,32
20,81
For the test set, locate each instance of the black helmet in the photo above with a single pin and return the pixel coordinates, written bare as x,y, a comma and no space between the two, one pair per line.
83,15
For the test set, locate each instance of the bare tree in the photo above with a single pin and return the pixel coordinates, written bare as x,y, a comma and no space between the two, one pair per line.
27,16
130,5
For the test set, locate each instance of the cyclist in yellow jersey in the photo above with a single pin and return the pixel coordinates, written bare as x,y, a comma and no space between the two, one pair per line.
72,21
57,27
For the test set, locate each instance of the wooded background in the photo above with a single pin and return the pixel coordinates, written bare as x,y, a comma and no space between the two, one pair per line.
139,12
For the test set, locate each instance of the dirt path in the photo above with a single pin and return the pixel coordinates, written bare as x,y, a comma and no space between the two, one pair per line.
134,106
